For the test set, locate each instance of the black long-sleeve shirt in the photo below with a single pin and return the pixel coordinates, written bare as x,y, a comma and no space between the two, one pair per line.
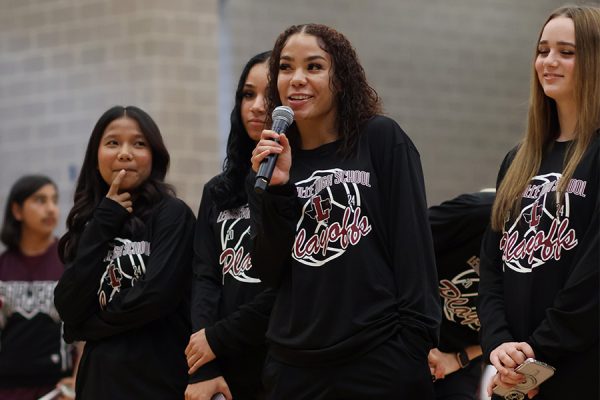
348,246
228,299
457,226
539,277
127,296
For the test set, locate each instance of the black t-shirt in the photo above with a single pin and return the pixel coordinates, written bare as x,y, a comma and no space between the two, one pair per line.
348,246
457,226
539,276
228,299
127,295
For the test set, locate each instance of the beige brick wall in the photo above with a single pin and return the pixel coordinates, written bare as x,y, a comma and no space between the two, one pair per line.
454,74
64,62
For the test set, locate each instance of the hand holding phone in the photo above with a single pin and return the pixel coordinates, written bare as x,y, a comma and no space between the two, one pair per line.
67,391
61,390
535,373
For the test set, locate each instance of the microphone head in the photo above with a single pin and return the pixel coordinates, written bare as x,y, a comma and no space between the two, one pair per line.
283,113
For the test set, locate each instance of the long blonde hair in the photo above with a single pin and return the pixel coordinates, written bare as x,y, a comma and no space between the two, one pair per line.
542,121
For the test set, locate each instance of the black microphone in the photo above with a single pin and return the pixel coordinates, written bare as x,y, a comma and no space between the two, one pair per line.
282,117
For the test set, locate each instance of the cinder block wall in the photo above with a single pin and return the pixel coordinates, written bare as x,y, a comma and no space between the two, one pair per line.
64,62
454,74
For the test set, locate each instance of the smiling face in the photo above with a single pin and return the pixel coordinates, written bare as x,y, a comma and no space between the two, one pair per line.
124,146
39,212
304,81
253,110
555,61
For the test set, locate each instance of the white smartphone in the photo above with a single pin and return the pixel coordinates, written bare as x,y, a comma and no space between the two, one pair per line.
53,394
67,391
60,390
535,373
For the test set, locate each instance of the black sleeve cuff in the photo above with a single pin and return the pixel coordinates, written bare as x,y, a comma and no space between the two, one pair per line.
110,215
283,199
212,337
206,372
287,189
418,338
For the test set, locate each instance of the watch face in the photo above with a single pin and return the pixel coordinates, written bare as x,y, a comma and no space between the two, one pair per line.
463,359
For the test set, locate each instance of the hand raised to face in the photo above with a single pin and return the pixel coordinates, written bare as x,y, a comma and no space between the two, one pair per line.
268,145
124,199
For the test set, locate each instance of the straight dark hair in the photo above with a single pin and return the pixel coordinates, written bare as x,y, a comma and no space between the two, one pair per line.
228,190
19,192
91,188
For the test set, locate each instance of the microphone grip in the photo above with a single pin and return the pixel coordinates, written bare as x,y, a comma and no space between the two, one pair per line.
265,171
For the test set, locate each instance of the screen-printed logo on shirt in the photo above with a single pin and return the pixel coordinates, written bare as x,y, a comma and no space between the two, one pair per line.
541,232
27,299
125,265
459,295
331,219
234,231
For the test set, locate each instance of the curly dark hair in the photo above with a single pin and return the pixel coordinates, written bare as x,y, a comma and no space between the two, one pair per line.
91,188
228,190
356,100
20,191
